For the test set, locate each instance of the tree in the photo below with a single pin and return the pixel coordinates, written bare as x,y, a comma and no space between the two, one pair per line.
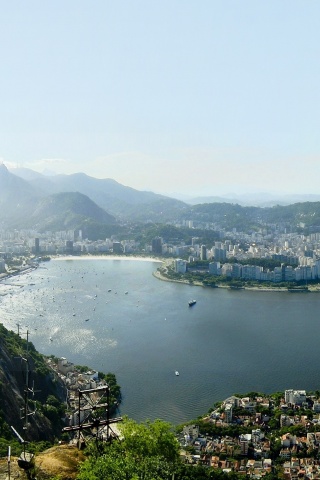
148,451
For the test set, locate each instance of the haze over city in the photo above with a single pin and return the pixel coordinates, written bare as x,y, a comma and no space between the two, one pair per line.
197,98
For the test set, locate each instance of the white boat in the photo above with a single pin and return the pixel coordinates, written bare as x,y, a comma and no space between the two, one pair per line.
177,373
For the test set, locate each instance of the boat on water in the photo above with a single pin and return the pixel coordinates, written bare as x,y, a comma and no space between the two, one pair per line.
177,373
192,302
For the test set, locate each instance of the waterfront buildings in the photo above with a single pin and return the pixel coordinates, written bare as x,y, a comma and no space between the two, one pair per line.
180,266
298,254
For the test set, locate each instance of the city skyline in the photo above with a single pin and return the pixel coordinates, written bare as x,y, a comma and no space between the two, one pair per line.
199,99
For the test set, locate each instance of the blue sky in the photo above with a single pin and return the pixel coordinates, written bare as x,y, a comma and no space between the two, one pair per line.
197,97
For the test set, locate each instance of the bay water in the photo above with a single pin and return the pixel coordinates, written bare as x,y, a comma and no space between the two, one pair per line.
113,315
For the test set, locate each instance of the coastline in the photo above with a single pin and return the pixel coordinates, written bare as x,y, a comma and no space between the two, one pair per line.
107,257
157,274
28,269
311,288
133,326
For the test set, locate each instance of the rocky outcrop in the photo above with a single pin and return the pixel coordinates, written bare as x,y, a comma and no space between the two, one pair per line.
25,385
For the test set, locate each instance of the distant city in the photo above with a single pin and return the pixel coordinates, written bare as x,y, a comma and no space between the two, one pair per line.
80,215
297,254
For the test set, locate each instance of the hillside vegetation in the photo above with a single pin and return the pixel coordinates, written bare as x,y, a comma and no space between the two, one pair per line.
45,392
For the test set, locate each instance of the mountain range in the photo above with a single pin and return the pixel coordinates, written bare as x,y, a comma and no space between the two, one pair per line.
59,202
261,199
31,200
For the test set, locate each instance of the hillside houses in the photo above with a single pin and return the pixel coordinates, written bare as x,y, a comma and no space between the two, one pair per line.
286,443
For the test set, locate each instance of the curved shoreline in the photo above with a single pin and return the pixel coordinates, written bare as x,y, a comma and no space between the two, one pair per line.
107,257
6,275
157,274
311,288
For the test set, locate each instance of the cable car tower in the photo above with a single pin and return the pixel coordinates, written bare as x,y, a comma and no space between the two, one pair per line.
92,416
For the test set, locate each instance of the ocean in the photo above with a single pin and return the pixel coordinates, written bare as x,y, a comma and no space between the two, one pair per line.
113,315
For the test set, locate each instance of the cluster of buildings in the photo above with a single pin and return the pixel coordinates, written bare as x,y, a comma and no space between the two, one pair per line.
292,400
231,455
300,260
283,273
74,380
253,453
226,453
299,254
24,242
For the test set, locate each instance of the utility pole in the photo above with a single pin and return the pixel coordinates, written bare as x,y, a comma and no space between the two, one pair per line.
9,460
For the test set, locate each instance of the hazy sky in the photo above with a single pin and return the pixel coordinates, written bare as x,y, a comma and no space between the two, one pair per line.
193,96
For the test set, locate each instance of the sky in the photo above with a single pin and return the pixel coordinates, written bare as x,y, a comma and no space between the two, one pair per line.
196,97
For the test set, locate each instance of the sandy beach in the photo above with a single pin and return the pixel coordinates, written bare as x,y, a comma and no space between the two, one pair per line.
107,257
157,274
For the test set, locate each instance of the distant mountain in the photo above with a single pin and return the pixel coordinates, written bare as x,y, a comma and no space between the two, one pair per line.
211,199
26,204
26,173
256,199
14,188
55,202
65,211
123,202
304,215
17,198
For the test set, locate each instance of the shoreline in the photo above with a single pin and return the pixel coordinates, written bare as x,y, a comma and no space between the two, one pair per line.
311,288
157,274
29,268
5,276
107,257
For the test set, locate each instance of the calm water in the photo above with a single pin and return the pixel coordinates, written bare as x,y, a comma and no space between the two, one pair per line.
230,341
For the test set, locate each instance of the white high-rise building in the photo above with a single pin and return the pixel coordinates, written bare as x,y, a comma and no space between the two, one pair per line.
296,397
180,266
